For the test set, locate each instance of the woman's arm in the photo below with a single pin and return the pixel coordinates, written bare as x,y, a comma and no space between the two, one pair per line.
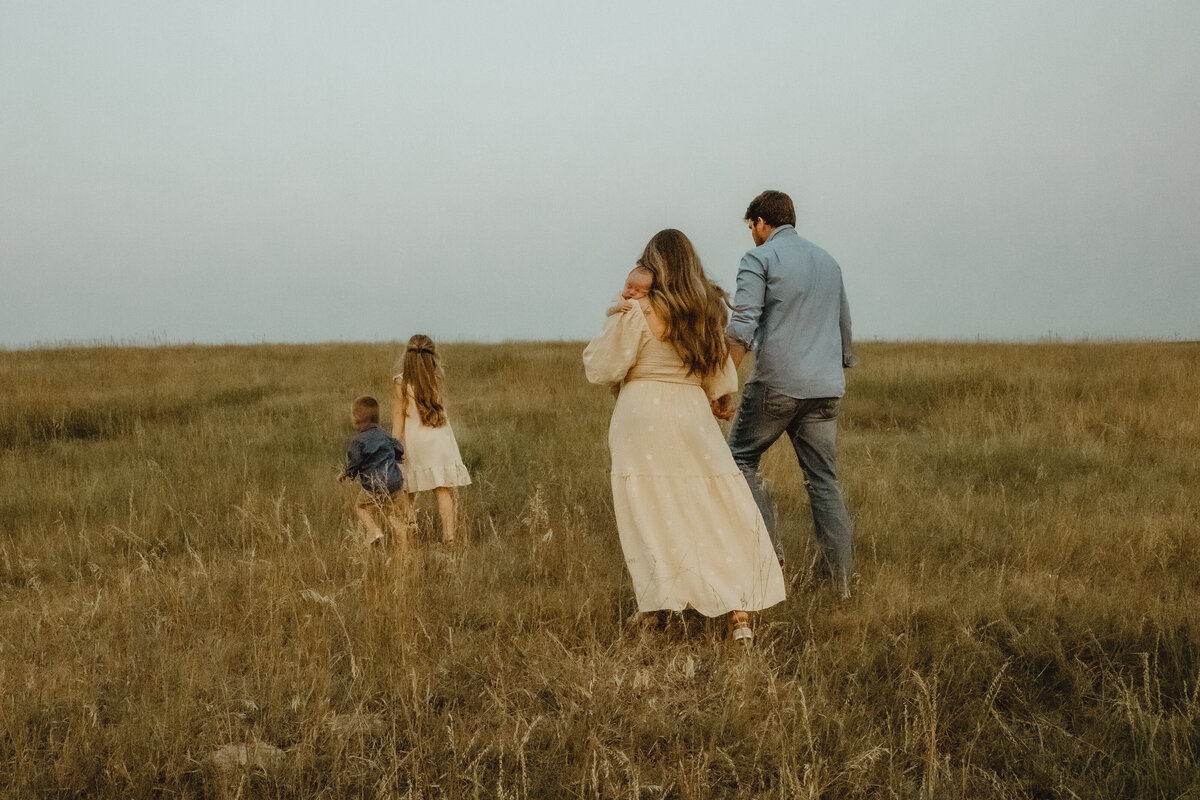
610,355
722,407
722,382
720,388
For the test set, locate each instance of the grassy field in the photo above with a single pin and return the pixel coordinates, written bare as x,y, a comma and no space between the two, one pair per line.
175,578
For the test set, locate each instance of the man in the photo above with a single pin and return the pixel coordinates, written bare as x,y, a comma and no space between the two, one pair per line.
790,309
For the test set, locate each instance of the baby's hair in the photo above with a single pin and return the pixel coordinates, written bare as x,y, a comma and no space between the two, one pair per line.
365,411
423,376
639,267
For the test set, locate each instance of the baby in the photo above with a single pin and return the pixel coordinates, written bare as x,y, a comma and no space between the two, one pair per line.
637,286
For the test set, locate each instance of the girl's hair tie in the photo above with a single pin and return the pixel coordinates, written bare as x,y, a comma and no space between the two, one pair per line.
425,350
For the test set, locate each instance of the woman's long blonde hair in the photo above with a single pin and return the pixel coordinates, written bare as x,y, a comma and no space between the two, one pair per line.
422,376
693,308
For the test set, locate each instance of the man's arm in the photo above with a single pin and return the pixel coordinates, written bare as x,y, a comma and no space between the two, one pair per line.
737,351
748,303
848,357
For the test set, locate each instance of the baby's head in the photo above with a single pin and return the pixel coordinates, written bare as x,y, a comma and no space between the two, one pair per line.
364,412
638,284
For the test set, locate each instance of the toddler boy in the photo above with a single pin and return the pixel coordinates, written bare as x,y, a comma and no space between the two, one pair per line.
374,461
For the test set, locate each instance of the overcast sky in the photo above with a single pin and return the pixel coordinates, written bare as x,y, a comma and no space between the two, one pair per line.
300,171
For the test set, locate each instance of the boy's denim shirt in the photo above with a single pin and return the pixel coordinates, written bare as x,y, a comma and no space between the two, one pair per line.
374,460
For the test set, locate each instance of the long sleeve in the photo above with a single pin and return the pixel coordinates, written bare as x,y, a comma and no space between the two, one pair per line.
748,301
354,459
848,357
610,355
723,382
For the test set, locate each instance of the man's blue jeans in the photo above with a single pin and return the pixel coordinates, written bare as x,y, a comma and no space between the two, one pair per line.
811,424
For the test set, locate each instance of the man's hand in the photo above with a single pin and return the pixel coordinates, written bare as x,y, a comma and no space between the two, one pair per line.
722,407
737,351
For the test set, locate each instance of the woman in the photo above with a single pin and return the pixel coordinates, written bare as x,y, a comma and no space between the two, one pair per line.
690,530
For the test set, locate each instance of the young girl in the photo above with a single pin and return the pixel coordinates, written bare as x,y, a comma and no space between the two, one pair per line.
432,460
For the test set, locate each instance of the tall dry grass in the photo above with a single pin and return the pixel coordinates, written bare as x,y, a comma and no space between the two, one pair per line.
173,579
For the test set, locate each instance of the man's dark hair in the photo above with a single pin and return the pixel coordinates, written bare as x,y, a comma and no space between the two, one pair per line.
774,207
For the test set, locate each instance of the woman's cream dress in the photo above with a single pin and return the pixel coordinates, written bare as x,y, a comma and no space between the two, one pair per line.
690,530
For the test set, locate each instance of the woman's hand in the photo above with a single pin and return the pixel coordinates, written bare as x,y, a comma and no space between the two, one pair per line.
722,407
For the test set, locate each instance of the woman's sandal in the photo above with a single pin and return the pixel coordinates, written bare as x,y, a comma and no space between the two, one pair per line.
743,634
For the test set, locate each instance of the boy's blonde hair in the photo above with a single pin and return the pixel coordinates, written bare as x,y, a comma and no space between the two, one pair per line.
423,377
364,411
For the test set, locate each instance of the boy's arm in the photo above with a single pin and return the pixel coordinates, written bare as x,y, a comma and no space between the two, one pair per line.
354,458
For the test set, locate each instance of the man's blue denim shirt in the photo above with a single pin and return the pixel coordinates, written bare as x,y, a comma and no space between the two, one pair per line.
790,309
374,460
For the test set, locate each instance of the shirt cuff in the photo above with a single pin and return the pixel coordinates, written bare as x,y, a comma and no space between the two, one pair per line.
733,337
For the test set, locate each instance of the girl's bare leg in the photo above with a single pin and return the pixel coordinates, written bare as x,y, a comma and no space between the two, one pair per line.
445,501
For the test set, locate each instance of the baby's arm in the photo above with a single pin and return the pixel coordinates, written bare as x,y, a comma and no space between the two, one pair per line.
620,307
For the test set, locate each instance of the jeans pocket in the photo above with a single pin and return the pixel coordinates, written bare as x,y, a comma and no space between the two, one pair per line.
779,405
829,408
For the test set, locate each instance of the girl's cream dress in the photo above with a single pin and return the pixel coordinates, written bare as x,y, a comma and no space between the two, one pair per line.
431,457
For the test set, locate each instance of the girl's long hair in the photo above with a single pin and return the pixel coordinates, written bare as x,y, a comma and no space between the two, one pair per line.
423,377
693,308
